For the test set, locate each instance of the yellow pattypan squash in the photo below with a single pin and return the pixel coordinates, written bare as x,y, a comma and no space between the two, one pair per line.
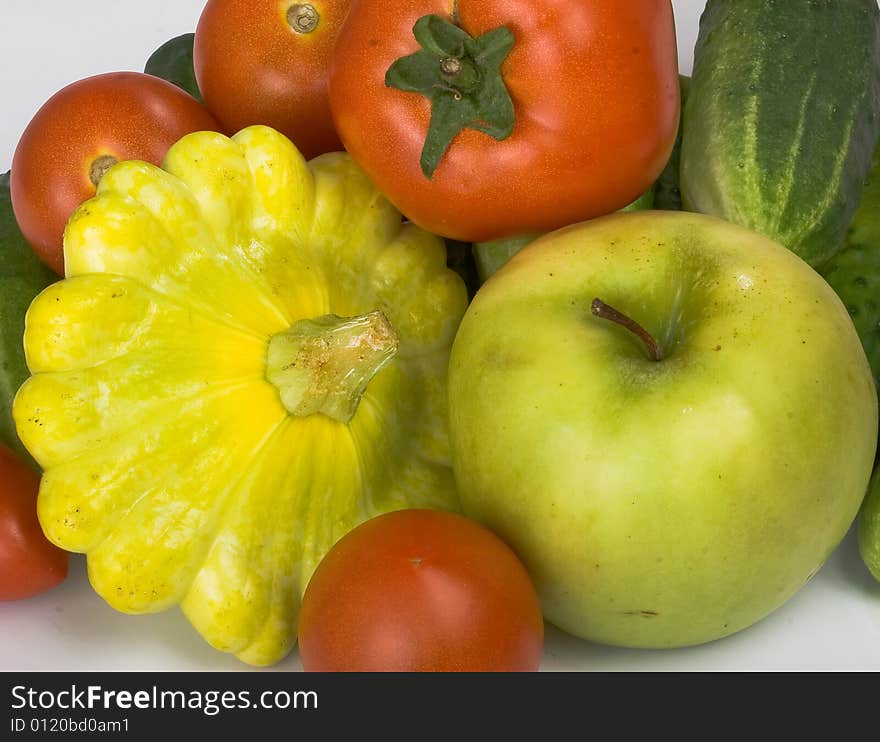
247,358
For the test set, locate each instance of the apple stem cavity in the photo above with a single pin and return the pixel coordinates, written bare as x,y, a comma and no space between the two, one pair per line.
605,311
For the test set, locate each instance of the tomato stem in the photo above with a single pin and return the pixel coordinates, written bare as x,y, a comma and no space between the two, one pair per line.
100,165
303,18
605,311
461,76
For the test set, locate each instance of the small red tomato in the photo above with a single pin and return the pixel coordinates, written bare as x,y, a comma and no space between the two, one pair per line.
420,590
29,564
79,133
266,62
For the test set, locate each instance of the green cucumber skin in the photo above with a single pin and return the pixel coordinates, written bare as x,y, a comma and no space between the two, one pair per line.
854,273
490,256
22,277
667,189
868,529
782,117
645,202
864,230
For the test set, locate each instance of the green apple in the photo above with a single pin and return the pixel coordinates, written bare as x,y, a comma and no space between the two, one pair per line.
666,501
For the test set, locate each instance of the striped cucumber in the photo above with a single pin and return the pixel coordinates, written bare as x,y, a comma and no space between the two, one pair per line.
782,117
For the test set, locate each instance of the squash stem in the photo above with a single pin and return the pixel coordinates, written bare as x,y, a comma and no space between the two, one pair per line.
324,365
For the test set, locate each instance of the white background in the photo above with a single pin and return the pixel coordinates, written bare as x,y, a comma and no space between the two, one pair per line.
831,624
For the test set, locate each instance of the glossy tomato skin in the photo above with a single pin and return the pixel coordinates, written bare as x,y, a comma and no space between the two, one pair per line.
596,100
125,115
420,590
29,564
253,68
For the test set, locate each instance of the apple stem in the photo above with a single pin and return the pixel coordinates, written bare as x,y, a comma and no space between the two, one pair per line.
604,311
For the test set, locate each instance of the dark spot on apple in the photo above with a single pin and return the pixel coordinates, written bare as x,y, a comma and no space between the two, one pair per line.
642,613
717,347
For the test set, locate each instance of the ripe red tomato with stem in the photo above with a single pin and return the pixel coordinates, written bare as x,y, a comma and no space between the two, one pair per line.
29,563
266,62
79,133
485,119
420,590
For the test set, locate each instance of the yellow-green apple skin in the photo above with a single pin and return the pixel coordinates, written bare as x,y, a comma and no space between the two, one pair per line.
662,503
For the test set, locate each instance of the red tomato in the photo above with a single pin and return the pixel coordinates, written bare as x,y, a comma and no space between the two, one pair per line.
265,62
29,564
595,105
420,590
82,130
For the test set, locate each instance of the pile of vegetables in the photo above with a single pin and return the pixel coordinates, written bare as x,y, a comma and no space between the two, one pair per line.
239,279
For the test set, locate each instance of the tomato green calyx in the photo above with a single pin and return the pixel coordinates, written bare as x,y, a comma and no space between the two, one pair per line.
303,18
99,166
604,311
461,76
324,364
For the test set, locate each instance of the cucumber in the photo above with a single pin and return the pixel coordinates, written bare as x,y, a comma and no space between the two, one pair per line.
868,528
864,230
490,256
22,277
782,117
460,258
854,273
643,202
667,189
